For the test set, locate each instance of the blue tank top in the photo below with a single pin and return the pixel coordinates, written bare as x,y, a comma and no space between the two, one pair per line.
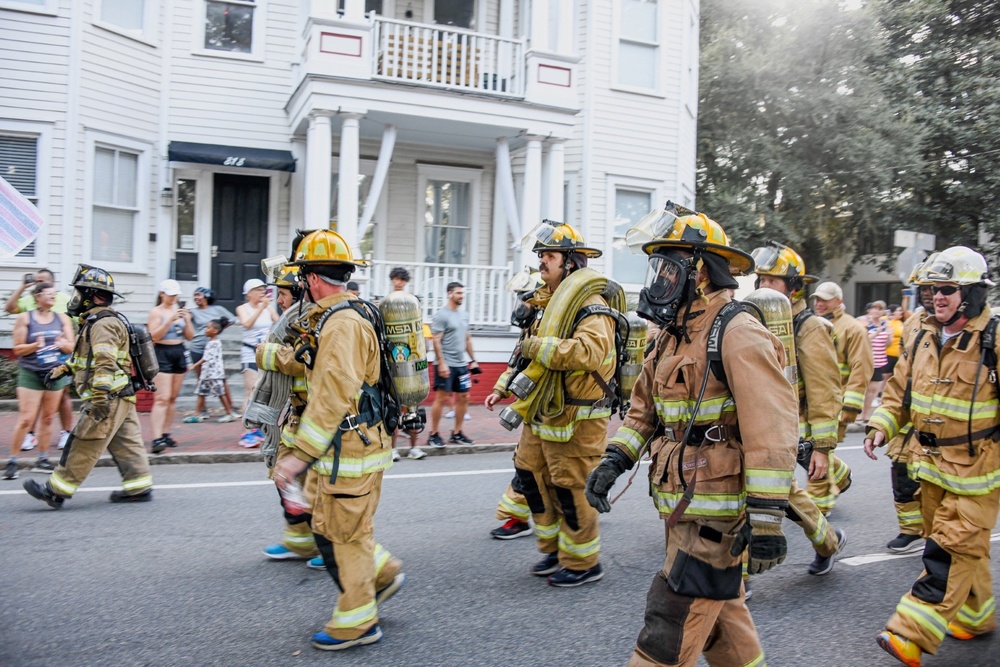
175,332
48,355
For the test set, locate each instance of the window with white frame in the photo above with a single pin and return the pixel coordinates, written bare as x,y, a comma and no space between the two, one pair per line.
19,166
630,206
115,205
129,15
638,43
446,217
229,25
39,6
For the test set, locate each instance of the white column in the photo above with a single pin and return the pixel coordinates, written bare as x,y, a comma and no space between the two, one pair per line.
531,200
347,183
319,162
539,25
354,10
555,177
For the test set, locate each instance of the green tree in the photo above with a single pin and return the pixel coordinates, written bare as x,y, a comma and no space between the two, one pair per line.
796,140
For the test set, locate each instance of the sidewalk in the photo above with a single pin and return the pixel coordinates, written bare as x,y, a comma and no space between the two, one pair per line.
211,442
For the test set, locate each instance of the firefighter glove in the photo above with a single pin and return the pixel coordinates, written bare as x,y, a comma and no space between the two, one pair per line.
99,408
603,477
53,375
768,546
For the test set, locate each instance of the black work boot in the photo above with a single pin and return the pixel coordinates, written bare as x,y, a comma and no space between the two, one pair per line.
126,497
44,493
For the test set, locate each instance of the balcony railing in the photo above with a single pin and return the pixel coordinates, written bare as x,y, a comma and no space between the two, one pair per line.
449,58
488,304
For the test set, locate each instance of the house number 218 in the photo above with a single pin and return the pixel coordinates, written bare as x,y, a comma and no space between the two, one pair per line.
234,161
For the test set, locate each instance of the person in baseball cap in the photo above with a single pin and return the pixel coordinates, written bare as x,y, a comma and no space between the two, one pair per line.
826,291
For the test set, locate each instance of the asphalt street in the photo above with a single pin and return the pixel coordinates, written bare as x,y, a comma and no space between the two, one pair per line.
182,581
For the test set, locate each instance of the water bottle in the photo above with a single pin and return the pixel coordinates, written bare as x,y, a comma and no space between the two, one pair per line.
293,498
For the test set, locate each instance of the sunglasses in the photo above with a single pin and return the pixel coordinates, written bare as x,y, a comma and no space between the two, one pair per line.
947,290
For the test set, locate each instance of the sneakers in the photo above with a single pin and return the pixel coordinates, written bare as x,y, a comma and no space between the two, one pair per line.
512,529
434,440
905,544
956,631
316,563
44,493
458,438
395,455
281,552
252,439
10,472
569,578
325,642
416,454
450,414
126,497
746,588
43,465
29,442
900,648
546,566
159,445
196,419
170,441
821,565
390,589
227,418
63,437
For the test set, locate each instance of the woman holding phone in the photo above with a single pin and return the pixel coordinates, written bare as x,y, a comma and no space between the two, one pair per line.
169,324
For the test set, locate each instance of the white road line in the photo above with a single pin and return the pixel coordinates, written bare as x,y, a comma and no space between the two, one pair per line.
868,559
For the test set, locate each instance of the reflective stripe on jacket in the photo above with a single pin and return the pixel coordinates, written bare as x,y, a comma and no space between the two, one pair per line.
942,382
106,346
757,465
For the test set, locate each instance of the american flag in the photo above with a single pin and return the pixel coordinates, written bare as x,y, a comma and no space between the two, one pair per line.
20,221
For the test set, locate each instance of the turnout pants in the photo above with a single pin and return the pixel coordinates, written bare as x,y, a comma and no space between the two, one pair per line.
804,512
905,491
344,529
513,505
553,475
121,435
679,628
298,535
824,492
955,585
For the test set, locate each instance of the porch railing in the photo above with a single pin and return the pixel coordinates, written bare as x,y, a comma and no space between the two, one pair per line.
442,57
488,304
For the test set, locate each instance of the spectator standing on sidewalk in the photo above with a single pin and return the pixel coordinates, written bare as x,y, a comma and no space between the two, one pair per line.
19,302
452,375
256,316
211,370
170,325
205,311
41,336
879,336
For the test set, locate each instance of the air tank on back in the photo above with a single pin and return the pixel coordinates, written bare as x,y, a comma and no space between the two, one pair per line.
635,352
404,328
777,310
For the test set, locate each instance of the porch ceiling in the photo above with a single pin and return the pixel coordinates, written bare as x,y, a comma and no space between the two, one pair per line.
435,131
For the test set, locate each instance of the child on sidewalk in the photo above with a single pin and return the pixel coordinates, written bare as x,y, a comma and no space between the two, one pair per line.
212,380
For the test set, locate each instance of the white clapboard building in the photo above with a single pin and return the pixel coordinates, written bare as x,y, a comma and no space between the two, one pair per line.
190,138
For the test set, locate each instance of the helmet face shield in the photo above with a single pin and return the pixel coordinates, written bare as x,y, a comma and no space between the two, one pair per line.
669,284
654,225
665,278
765,258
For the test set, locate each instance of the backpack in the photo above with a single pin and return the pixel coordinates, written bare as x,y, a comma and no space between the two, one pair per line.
140,348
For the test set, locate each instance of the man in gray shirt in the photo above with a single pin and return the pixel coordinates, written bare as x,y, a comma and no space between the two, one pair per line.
452,375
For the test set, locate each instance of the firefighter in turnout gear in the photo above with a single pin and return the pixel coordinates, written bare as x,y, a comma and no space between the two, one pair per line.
781,268
555,454
342,440
854,357
101,365
297,543
721,466
946,386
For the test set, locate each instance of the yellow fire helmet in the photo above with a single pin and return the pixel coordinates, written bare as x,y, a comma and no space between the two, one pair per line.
558,237
959,265
683,229
286,276
325,247
776,259
918,276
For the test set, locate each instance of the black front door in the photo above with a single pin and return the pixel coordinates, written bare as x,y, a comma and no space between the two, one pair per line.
239,234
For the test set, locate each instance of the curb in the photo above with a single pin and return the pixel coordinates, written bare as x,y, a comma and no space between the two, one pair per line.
253,456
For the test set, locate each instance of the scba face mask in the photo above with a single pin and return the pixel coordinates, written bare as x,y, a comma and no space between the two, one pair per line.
668,279
79,303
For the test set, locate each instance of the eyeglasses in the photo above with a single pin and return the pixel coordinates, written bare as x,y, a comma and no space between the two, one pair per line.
947,290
